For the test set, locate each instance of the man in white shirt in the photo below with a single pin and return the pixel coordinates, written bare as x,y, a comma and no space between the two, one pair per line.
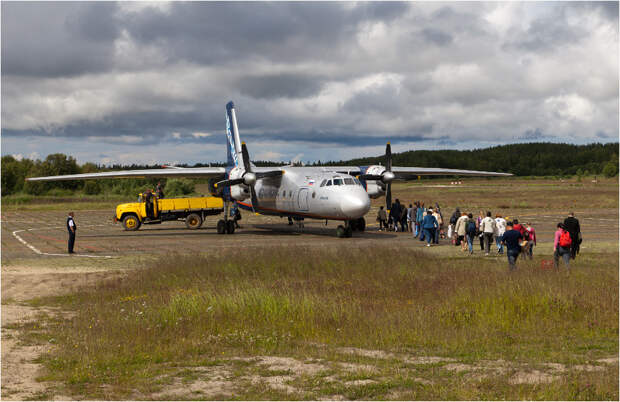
487,227
500,228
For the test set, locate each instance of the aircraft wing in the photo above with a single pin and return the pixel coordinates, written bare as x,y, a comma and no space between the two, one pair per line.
405,173
205,172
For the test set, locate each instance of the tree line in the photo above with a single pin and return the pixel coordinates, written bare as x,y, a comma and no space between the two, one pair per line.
531,159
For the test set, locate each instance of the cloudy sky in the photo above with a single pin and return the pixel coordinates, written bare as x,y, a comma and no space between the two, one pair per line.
148,82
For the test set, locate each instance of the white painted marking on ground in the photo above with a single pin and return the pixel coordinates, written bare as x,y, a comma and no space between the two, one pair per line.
37,251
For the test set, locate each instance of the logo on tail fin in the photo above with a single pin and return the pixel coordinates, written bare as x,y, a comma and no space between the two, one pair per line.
233,160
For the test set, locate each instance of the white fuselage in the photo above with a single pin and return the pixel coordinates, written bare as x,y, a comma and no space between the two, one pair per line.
306,192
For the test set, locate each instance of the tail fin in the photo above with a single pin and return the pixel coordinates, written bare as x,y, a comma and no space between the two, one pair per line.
234,155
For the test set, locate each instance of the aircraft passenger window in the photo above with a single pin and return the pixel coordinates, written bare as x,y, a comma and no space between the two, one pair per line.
329,183
323,182
337,182
348,181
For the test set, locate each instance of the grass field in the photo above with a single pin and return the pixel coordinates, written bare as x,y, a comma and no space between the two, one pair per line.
373,319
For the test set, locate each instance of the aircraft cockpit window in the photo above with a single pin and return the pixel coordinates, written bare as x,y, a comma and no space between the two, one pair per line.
337,182
329,183
348,181
323,183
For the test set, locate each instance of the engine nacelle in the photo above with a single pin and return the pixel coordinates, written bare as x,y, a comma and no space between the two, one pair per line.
238,192
375,188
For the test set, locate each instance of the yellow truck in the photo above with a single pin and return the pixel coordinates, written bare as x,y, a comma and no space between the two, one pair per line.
151,210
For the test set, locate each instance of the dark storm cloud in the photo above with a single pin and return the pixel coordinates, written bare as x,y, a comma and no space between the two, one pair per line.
436,36
57,39
286,85
208,33
546,34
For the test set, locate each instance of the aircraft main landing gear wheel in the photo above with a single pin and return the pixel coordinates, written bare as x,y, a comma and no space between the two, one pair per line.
361,224
348,231
193,221
341,231
221,226
230,227
131,222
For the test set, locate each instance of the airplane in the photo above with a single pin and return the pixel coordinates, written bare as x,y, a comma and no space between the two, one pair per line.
340,193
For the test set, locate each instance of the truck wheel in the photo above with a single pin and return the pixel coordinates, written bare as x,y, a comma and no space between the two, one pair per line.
131,222
193,221
221,227
230,227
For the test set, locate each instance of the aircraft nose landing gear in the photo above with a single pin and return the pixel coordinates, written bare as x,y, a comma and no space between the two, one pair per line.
344,231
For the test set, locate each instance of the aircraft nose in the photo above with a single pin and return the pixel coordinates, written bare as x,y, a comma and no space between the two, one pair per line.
355,206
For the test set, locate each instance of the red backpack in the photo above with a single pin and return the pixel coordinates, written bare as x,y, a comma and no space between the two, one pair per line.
565,240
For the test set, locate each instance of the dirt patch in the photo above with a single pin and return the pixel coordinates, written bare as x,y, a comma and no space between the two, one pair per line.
532,377
19,370
352,367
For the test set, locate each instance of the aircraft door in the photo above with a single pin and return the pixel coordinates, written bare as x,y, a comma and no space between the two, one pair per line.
302,199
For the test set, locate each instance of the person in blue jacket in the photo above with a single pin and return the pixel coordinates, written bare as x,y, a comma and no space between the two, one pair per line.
429,225
418,219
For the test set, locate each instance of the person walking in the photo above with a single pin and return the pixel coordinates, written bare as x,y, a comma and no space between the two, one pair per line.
562,246
472,231
430,225
452,223
460,229
531,239
500,228
382,218
418,219
511,239
403,219
487,227
395,214
438,218
571,225
71,228
410,212
479,231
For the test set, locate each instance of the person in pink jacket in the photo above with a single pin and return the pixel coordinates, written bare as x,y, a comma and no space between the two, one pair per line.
558,249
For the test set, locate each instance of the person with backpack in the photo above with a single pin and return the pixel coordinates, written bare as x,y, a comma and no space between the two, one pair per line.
562,246
460,230
571,225
531,239
487,228
472,232
511,239
500,228
430,225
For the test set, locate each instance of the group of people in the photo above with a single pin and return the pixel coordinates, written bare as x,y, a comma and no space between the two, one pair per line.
514,237
424,223
148,199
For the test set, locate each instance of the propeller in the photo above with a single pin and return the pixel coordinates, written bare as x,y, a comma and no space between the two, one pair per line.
386,177
249,178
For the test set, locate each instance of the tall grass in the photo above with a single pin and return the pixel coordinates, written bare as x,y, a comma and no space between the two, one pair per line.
186,308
